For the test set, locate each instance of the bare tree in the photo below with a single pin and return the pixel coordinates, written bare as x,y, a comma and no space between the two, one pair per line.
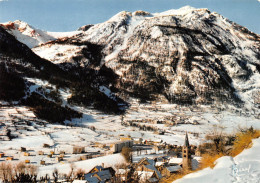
6,172
127,153
55,175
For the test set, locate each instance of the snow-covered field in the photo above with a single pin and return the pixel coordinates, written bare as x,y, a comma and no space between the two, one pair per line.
244,168
96,130
108,129
86,165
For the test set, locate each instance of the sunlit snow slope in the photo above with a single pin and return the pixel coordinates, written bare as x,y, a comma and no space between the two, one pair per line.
245,167
31,36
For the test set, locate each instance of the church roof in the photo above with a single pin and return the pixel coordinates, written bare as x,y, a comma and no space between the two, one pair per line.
186,143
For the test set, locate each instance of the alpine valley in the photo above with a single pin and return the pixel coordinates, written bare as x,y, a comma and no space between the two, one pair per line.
143,75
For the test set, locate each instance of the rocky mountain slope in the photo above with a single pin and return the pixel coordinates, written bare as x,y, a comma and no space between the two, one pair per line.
23,75
186,56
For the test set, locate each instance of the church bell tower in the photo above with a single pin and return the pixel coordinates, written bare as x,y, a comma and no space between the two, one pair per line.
186,154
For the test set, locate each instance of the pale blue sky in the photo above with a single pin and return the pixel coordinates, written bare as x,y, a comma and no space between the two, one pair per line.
68,15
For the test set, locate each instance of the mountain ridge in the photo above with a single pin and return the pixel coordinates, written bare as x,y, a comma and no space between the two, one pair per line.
189,55
186,56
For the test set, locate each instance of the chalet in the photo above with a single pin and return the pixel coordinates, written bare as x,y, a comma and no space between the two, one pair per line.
146,161
2,155
26,154
26,161
96,169
85,157
101,168
166,158
99,174
167,171
23,149
160,161
175,161
126,138
10,158
42,162
103,175
198,151
149,176
92,180
59,159
46,146
40,153
78,150
121,174
147,171
149,168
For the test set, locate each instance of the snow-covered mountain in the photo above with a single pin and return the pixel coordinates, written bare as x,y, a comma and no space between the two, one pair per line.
27,79
31,36
185,56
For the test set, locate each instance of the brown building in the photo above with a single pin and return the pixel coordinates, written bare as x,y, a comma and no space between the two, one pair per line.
78,150
168,171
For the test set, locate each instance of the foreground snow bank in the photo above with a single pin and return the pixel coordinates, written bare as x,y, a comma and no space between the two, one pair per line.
243,168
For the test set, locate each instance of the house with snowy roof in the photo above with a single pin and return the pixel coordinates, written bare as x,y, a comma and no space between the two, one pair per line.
167,171
146,161
149,177
122,173
99,174
103,175
147,171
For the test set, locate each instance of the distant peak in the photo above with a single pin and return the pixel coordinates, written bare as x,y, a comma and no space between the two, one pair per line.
182,11
141,13
120,15
17,25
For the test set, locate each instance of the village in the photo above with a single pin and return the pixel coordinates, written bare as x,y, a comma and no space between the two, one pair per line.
164,160
153,133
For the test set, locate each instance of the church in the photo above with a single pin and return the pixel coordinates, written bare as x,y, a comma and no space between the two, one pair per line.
186,154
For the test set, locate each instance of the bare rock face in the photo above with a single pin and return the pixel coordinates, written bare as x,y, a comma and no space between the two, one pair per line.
187,55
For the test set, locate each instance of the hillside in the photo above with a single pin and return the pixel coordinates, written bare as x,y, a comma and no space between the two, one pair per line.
185,56
23,74
242,168
189,57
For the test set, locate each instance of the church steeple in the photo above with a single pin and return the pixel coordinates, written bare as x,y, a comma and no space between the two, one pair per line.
186,143
186,154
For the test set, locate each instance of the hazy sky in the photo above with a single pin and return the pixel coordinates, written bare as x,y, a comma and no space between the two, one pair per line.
68,15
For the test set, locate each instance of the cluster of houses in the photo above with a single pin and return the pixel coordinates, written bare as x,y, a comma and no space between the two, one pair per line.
145,170
51,156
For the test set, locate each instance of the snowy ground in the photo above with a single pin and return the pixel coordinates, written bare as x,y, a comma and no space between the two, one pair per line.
244,168
87,165
98,128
